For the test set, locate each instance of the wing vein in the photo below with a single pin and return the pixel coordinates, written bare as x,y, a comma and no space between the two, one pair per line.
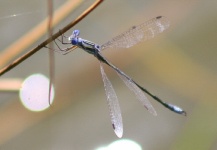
136,34
113,104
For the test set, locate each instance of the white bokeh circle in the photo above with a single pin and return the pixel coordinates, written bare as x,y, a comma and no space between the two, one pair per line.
34,93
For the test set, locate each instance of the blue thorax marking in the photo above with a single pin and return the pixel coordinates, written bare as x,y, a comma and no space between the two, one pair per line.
86,45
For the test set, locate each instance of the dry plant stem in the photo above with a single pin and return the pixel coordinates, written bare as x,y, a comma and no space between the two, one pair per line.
51,53
53,37
18,46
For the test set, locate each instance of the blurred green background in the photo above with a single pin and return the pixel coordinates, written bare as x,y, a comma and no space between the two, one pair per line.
179,66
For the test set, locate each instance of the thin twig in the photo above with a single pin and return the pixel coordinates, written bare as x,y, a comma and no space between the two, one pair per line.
53,37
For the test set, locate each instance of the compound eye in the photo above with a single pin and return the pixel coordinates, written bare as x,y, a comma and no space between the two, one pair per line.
76,33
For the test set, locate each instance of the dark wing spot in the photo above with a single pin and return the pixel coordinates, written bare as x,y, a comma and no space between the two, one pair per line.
158,17
133,27
113,126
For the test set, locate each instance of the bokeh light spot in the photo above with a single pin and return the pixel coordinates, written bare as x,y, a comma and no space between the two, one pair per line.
34,93
125,144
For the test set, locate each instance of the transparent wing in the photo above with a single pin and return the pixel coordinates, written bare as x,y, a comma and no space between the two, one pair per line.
136,34
139,93
114,108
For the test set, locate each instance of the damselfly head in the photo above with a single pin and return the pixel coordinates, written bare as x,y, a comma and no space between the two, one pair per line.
75,33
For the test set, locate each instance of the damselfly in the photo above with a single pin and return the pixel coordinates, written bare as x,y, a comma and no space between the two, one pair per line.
134,35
